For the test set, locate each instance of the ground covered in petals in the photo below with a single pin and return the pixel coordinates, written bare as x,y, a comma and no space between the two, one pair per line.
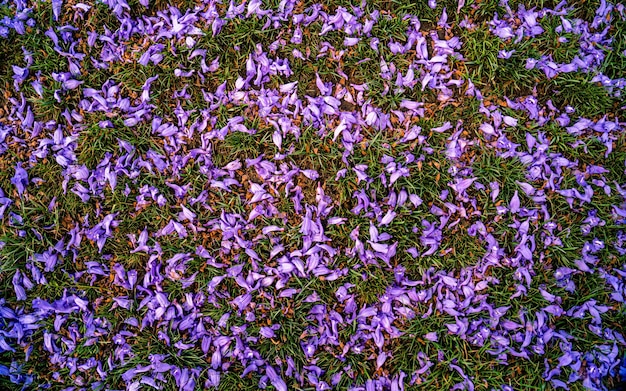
288,195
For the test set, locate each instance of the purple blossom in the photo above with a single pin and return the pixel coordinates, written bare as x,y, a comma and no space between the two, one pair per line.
20,179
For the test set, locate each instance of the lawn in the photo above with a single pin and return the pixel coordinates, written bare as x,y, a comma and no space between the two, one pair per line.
367,196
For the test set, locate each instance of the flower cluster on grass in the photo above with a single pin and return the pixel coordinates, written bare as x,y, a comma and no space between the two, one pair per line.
312,196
